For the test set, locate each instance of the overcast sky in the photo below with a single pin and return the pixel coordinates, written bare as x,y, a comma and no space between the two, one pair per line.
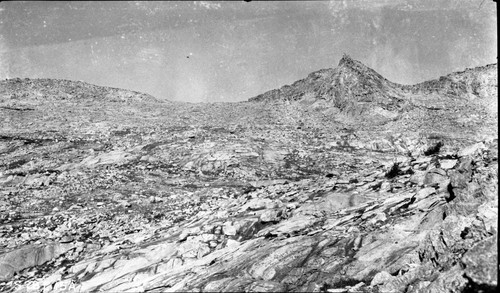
231,51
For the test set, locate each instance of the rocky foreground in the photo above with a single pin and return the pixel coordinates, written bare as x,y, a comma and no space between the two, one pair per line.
340,182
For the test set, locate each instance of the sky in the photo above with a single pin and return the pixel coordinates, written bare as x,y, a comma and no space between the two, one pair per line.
231,51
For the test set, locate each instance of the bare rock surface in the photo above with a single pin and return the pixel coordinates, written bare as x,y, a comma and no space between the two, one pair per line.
341,182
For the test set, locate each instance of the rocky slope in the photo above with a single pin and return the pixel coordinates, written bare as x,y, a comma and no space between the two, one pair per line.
341,182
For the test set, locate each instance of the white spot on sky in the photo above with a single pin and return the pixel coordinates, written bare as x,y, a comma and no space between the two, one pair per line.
207,4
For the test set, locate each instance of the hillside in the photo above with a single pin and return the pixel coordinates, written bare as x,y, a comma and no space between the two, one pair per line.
341,182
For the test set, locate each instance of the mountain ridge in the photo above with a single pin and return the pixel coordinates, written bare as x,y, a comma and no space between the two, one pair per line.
352,77
63,89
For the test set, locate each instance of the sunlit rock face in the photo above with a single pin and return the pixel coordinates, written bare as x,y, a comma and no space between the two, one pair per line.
341,182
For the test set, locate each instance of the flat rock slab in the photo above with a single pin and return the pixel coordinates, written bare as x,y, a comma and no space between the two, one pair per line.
29,256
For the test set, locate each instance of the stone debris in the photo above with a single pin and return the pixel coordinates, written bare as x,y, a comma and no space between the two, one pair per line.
307,188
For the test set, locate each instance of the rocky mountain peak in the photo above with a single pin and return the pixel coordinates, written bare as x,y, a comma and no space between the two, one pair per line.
347,61
351,87
348,67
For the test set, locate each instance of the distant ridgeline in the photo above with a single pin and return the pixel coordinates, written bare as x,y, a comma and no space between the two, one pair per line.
356,81
356,89
60,89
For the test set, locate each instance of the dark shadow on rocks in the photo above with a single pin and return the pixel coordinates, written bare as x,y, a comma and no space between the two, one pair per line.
433,149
